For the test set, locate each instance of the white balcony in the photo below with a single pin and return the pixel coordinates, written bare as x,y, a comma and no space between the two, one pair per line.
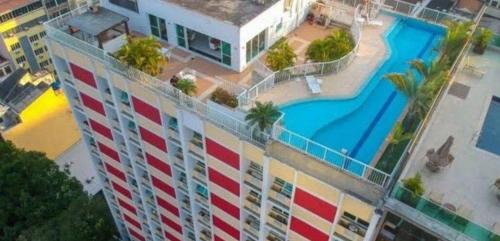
279,198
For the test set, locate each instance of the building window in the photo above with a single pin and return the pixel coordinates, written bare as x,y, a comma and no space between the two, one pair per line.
256,45
20,59
42,34
181,38
2,74
34,38
226,53
279,26
15,46
128,4
158,27
353,223
44,64
39,51
20,11
7,70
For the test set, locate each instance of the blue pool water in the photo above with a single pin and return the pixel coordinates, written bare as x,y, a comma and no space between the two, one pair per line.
361,124
489,139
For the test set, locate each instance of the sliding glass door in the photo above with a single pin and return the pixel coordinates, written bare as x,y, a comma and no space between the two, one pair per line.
158,27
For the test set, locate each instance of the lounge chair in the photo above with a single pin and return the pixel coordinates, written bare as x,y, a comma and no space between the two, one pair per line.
375,23
313,84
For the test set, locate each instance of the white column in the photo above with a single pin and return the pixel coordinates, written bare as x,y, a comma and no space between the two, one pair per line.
371,232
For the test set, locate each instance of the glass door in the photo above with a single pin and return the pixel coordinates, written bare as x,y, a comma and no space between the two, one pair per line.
226,53
158,27
181,35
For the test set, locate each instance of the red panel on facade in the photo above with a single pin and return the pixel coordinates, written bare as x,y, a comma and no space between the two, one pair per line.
225,206
307,231
83,75
217,238
115,172
101,129
146,110
132,221
92,103
223,154
153,139
223,181
126,206
163,186
171,224
159,164
315,205
235,233
109,152
121,190
169,207
171,237
136,235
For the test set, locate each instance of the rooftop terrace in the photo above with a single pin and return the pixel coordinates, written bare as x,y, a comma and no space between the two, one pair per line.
464,187
237,12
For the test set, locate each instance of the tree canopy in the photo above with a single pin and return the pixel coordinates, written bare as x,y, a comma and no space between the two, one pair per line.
36,195
333,47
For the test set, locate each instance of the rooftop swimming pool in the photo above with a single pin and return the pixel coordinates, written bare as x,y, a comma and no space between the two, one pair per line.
360,125
489,139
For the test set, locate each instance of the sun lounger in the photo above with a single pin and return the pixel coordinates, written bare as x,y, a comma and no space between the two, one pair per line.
313,84
375,23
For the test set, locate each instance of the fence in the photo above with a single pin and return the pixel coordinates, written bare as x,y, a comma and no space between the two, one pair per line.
426,14
238,127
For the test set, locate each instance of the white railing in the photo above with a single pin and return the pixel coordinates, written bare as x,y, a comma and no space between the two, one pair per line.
330,156
318,68
55,31
427,14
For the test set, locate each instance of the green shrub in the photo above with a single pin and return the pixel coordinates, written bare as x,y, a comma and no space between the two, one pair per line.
333,47
221,96
280,57
415,184
482,39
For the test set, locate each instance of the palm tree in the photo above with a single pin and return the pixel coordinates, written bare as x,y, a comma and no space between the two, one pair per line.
186,86
433,74
457,35
143,54
417,97
263,114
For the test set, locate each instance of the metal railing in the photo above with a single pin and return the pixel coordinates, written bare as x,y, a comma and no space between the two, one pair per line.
56,31
427,14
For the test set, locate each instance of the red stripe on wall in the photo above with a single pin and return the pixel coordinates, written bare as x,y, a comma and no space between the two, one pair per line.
83,75
235,233
92,104
171,224
153,139
163,186
126,206
109,152
225,206
146,110
315,204
167,206
132,221
158,164
115,172
222,153
121,190
217,238
101,129
307,231
223,181
136,235
171,237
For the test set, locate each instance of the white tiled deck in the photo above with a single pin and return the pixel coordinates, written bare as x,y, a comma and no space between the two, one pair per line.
467,182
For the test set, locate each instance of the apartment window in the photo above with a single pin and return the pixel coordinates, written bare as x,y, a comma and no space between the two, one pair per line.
2,74
42,34
127,4
158,27
15,46
353,223
256,45
34,38
39,51
7,70
181,38
44,64
20,11
21,59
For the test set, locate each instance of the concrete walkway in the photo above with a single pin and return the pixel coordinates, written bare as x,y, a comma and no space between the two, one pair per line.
347,83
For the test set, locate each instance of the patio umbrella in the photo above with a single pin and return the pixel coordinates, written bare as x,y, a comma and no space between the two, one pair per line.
442,156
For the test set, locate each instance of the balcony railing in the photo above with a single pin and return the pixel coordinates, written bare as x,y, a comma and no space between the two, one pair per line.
279,198
459,228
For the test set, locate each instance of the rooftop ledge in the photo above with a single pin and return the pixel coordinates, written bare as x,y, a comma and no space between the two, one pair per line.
99,43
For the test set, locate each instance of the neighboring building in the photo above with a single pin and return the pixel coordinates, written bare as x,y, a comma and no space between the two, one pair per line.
5,68
21,30
18,91
175,168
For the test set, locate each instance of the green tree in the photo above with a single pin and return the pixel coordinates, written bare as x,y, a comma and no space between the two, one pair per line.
143,54
333,47
263,114
434,75
417,97
481,40
415,184
281,57
457,35
186,86
85,219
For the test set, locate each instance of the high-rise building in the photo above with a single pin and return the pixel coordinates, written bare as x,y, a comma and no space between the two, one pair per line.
21,30
176,167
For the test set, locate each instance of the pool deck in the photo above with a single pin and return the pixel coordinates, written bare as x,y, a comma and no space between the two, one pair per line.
347,83
467,182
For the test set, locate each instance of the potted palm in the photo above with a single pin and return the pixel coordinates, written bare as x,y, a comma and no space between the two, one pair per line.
143,54
186,86
414,189
481,40
263,115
